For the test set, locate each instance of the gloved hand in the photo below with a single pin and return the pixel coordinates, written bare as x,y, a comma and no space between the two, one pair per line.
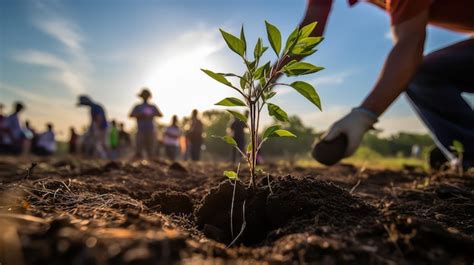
354,125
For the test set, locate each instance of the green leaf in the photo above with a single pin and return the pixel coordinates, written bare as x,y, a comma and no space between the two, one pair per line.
249,148
260,72
306,46
291,40
270,130
229,74
262,82
218,77
308,29
277,112
242,38
300,68
308,91
244,81
252,64
231,102
302,51
283,133
234,43
458,147
238,115
232,175
310,41
228,139
274,37
269,95
260,171
258,50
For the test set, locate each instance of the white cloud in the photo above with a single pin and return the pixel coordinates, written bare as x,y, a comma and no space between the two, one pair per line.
62,72
63,31
320,81
69,70
334,79
40,58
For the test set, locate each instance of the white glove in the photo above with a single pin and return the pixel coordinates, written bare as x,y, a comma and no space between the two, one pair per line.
354,125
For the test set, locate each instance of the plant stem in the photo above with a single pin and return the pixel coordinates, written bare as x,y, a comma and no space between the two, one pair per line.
253,133
242,228
232,211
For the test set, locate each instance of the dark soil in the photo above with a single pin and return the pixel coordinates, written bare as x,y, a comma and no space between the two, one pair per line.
290,199
71,211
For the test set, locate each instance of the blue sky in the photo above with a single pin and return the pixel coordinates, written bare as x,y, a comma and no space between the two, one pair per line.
51,51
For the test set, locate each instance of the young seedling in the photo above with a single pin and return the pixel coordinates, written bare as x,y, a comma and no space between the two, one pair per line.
257,84
458,148
232,176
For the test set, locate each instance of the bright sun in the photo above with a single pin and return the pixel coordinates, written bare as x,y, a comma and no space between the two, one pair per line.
178,84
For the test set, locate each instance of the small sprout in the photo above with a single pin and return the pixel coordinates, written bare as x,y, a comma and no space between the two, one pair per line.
232,175
458,148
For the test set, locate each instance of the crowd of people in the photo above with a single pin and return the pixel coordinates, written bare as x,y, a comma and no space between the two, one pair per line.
16,139
109,139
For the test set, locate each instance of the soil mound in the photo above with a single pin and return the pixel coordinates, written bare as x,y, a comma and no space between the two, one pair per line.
307,198
291,199
169,202
176,166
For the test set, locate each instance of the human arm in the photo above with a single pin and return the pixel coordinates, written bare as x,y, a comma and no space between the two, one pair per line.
316,10
400,66
158,112
134,113
97,119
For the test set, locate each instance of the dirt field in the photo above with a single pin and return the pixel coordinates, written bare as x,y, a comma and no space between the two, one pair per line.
96,212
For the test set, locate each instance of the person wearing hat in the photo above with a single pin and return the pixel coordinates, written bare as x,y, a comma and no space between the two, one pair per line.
145,114
98,127
433,83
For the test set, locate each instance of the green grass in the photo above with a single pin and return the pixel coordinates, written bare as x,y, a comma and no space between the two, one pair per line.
365,157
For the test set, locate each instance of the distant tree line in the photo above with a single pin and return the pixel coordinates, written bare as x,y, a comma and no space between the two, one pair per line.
217,123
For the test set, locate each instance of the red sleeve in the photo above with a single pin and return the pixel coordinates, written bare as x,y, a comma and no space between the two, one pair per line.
403,10
319,2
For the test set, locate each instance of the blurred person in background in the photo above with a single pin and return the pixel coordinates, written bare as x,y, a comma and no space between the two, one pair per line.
3,126
73,139
145,114
4,132
171,139
46,144
125,142
433,83
96,137
13,137
237,128
1,112
113,140
31,137
194,137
